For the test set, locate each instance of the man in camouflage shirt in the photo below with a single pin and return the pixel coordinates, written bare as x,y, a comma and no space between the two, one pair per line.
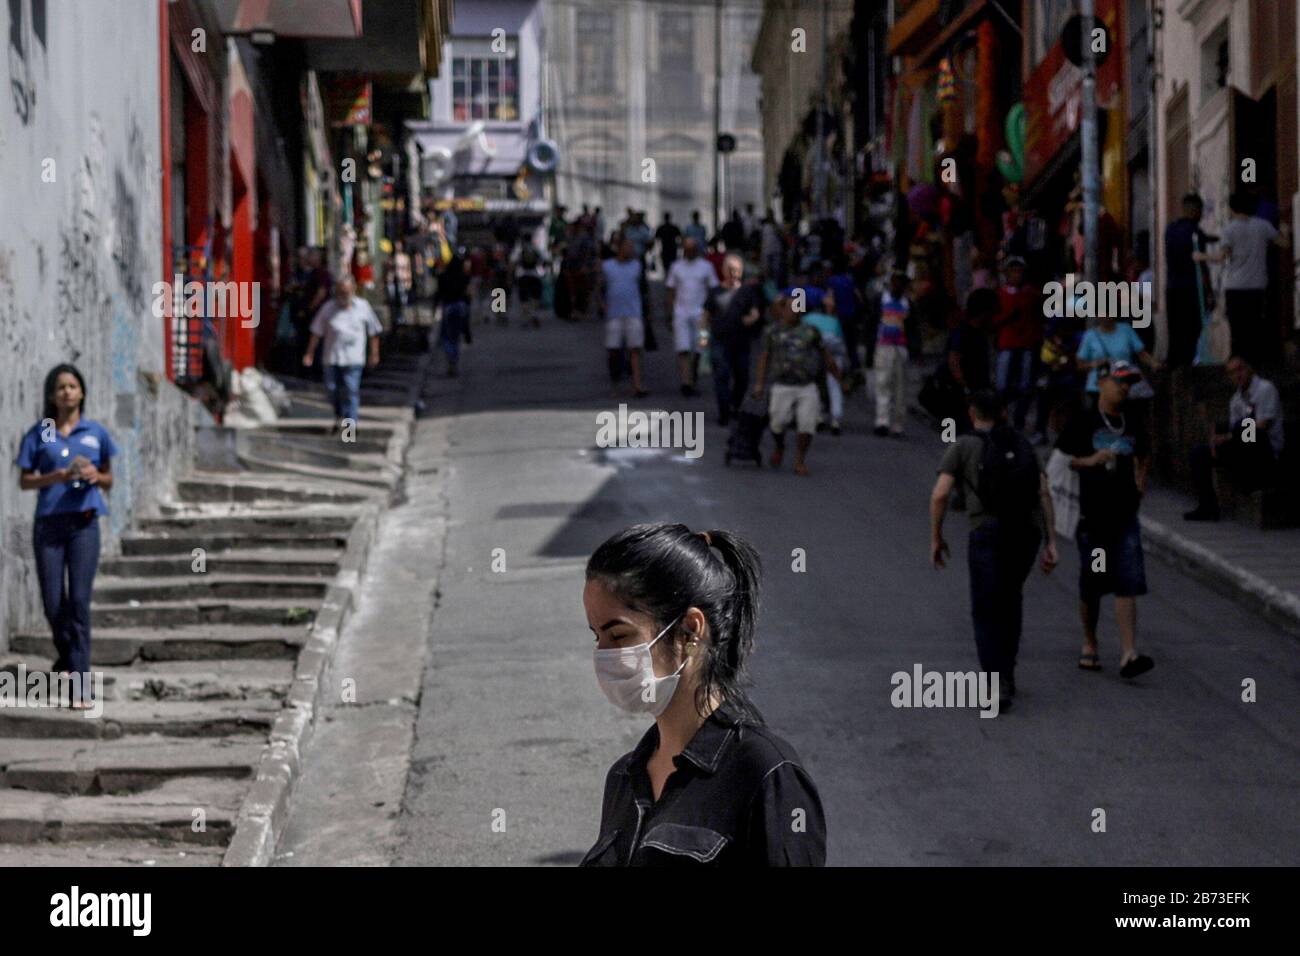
794,356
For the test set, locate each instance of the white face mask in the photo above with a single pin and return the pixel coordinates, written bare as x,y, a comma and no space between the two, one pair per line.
627,677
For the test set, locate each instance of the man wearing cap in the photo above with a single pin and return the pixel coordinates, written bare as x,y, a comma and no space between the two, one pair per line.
1110,450
794,355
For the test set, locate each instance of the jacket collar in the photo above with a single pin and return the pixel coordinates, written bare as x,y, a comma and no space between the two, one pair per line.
707,747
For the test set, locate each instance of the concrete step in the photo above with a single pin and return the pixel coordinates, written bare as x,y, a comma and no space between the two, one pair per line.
338,456
288,521
217,641
362,443
205,586
371,482
125,718
157,853
163,813
265,562
154,614
177,681
225,488
126,765
183,544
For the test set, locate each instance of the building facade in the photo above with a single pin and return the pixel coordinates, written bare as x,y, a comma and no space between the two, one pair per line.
632,89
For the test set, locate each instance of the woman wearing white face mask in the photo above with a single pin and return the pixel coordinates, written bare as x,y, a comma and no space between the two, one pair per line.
674,612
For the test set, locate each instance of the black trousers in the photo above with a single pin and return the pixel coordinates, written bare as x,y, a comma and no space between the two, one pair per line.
1253,329
1249,465
1000,558
1184,316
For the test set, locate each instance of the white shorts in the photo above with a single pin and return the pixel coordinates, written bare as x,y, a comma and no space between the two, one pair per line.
800,404
624,331
685,330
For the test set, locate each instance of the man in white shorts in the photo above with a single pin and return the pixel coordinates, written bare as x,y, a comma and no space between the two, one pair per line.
794,355
620,301
689,282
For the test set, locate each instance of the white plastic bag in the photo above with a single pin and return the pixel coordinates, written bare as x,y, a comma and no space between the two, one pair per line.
1063,481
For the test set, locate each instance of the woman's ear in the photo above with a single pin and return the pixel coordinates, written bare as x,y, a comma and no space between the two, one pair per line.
695,627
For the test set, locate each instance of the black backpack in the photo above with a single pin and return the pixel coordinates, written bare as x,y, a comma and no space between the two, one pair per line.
1008,475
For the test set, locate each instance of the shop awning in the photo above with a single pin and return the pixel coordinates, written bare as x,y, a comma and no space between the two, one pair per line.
321,19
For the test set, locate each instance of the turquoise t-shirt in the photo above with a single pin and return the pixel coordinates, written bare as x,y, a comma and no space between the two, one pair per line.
1121,343
827,325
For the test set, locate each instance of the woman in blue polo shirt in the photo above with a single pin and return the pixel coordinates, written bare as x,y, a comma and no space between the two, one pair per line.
68,458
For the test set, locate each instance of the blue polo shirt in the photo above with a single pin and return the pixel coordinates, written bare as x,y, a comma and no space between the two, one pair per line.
91,441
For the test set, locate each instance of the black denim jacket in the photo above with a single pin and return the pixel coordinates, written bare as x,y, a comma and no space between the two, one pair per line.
738,796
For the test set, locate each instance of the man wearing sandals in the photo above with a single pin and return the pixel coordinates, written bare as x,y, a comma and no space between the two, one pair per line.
1110,451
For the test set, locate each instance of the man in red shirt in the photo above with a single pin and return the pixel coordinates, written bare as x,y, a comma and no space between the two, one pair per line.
1019,331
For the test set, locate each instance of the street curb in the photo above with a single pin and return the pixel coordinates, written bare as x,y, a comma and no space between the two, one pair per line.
265,810
1199,562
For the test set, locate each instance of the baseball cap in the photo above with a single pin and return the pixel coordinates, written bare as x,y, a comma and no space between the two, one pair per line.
1119,370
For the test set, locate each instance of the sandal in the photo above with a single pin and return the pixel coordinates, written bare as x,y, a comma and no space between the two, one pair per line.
1138,665
1089,662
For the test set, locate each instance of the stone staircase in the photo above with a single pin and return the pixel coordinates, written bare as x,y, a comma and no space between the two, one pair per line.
199,630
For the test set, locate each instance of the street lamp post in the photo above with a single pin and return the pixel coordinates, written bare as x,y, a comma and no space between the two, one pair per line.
1088,135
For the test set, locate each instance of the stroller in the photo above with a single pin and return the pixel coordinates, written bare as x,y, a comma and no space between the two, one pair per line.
747,432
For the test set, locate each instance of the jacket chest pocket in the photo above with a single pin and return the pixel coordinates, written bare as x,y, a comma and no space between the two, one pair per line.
669,844
604,853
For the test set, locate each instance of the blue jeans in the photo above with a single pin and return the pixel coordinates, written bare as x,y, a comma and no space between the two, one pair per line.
343,382
455,317
1015,381
1000,559
67,554
1125,573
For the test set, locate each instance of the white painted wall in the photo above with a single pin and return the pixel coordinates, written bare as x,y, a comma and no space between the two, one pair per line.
79,256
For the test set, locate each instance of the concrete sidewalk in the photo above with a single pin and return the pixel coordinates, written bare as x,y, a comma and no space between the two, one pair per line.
1260,569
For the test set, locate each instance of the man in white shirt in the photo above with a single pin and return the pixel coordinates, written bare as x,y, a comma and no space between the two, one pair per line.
1243,248
347,324
689,282
1248,448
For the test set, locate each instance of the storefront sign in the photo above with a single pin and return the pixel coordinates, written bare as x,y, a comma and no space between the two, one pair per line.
1054,95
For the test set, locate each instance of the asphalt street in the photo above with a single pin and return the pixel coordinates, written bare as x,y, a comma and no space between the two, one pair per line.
513,736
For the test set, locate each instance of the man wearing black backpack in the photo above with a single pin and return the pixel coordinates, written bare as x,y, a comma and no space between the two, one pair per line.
1010,511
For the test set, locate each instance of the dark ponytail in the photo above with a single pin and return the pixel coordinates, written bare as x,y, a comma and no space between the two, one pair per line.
665,569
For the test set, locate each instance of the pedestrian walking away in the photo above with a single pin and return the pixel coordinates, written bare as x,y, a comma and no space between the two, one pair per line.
795,358
68,459
453,296
674,614
688,284
1108,447
346,324
620,302
1010,509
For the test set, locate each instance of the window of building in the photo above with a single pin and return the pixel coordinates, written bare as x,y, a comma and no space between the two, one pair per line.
484,82
1216,62
676,42
594,51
